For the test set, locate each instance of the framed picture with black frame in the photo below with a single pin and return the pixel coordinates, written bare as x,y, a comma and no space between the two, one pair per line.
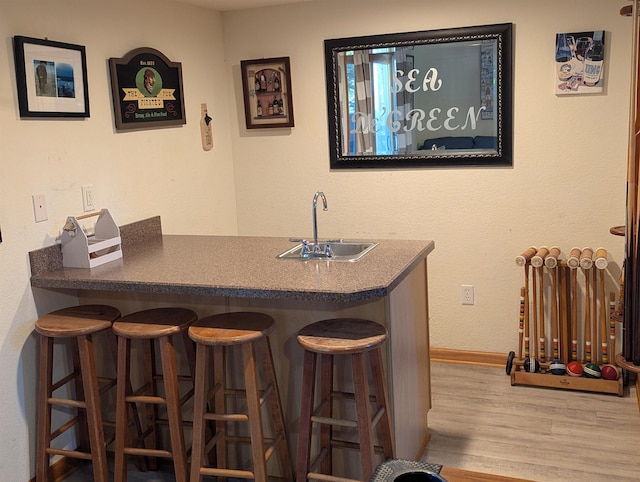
51,78
266,84
147,90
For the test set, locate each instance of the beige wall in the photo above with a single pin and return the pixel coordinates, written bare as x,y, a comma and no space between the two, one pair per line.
566,186
135,174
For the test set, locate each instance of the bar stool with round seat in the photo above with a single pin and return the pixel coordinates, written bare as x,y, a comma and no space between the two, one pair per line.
248,331
347,338
77,323
159,325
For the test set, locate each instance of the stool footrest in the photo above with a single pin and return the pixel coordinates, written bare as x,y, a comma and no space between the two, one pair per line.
353,445
227,417
244,439
63,381
328,478
67,403
150,452
377,416
145,399
107,384
270,443
343,422
211,393
270,446
76,454
145,433
64,427
349,396
165,421
241,474
109,438
313,466
181,378
312,475
138,397
141,390
186,396
236,392
334,421
212,442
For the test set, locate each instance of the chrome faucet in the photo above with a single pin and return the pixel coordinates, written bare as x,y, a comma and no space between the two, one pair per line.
316,246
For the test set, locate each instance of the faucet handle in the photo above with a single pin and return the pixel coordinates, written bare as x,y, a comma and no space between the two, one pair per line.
328,251
305,248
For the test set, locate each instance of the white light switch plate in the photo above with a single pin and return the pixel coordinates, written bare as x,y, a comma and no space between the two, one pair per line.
40,207
88,203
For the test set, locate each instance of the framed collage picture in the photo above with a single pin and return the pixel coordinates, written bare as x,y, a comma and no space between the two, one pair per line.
266,84
51,78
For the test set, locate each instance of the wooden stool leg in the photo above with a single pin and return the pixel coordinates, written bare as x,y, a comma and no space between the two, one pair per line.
170,377
93,413
276,410
306,407
123,364
44,412
149,377
199,408
190,351
256,430
382,400
219,372
363,409
135,431
326,430
81,415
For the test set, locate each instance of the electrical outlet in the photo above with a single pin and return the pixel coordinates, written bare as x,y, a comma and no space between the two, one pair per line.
467,294
87,198
40,207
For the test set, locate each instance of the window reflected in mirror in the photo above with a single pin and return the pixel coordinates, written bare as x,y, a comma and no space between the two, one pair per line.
420,99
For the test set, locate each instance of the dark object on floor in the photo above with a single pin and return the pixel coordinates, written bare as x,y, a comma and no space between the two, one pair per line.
398,470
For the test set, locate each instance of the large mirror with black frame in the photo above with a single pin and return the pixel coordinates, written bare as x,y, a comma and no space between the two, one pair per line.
421,99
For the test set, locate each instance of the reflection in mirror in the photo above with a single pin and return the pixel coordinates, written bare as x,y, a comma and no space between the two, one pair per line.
432,98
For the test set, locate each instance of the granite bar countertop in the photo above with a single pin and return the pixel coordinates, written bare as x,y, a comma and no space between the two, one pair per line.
234,266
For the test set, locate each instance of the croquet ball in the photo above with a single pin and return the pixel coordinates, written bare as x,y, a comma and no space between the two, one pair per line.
609,372
591,370
575,369
531,365
557,367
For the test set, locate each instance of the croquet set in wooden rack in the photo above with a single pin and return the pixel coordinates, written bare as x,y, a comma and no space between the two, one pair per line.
565,301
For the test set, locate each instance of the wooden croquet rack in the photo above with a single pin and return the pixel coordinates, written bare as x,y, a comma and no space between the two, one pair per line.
548,380
564,312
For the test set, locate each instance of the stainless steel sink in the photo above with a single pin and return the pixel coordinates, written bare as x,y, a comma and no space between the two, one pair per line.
339,251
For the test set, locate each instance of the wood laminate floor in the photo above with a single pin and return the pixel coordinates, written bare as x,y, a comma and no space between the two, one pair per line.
480,422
